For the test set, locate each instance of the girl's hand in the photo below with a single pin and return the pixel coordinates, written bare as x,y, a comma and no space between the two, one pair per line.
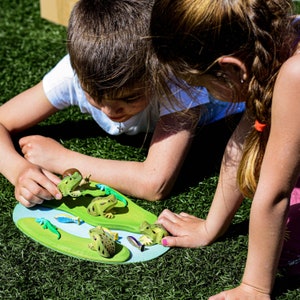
186,230
42,151
244,292
34,185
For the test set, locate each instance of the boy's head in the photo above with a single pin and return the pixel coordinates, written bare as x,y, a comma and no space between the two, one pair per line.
109,45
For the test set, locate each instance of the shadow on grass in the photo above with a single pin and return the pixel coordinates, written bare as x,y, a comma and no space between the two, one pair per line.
81,129
206,152
283,284
236,230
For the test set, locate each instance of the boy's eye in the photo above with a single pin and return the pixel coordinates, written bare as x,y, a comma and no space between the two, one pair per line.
132,99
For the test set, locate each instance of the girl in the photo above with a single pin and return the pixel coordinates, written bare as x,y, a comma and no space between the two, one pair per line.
241,49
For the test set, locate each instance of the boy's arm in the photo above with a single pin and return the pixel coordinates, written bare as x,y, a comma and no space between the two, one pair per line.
151,179
21,112
26,109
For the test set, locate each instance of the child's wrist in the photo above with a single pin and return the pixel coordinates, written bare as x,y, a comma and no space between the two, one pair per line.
256,289
211,233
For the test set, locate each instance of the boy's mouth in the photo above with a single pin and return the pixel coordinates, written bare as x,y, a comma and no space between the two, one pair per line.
119,119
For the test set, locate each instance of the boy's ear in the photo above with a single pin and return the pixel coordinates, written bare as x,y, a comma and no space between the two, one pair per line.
231,64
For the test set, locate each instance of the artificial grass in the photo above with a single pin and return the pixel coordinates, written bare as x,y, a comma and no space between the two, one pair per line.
29,48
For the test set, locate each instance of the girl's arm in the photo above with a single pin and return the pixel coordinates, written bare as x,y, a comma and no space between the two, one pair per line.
31,182
279,172
151,179
189,231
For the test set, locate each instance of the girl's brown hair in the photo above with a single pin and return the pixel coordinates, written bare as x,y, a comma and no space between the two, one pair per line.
190,35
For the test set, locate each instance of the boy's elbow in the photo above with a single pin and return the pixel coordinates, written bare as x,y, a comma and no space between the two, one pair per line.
157,189
156,196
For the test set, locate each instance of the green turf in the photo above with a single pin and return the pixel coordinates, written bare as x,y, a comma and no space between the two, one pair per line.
29,47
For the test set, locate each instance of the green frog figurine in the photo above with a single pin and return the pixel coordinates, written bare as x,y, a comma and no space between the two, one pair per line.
102,242
72,179
102,206
152,233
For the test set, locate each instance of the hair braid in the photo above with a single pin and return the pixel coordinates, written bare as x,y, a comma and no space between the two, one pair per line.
268,27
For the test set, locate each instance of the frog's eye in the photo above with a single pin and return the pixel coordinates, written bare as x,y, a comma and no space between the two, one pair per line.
92,208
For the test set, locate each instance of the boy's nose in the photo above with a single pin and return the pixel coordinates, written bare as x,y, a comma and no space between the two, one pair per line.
113,110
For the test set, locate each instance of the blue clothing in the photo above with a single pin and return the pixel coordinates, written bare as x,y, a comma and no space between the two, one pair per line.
216,110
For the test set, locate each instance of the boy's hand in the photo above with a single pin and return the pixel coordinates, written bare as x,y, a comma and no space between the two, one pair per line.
42,151
186,230
34,185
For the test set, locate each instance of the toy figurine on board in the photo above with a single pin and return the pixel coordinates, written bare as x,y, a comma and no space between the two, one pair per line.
71,181
102,206
152,233
48,225
102,242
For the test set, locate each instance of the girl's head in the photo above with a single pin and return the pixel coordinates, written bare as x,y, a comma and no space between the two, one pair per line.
109,48
196,33
193,36
233,47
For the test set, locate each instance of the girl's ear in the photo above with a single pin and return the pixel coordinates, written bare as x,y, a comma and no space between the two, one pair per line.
233,67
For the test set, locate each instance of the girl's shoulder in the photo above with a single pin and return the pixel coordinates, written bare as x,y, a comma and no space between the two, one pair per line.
291,67
287,83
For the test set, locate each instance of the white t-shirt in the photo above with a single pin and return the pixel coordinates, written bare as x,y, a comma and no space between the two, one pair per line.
62,88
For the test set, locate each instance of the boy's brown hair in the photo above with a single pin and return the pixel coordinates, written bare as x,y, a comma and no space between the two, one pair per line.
109,45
